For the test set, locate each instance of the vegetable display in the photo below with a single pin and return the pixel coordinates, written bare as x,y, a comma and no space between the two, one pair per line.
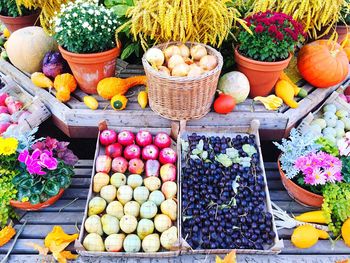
181,60
235,84
134,209
223,194
332,63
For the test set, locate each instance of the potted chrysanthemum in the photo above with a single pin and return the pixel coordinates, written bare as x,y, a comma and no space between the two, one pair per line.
16,17
307,164
85,32
264,53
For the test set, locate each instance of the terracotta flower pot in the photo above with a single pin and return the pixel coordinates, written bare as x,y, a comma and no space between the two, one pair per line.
27,206
298,193
262,76
15,23
342,31
89,69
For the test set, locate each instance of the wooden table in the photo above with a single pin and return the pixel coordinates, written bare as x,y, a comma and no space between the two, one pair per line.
70,217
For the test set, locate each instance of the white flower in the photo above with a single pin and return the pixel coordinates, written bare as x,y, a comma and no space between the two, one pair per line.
109,22
103,27
97,12
75,14
83,11
90,28
57,21
109,30
91,12
85,24
69,23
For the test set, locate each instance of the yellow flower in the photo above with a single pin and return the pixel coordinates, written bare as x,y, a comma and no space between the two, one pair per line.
8,146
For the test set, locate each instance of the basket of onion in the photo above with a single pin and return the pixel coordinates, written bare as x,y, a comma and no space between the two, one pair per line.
182,79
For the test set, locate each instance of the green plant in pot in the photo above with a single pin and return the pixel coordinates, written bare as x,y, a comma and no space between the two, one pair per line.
15,17
85,32
264,53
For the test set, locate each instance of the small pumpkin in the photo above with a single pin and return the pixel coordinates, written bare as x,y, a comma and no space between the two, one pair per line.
323,63
40,80
119,102
109,87
285,91
66,80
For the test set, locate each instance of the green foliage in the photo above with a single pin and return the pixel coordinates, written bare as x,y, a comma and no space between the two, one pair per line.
345,13
85,27
37,189
336,205
9,8
345,169
328,146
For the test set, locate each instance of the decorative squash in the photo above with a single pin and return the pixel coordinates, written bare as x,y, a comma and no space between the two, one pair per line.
142,99
109,87
27,47
346,46
285,91
323,63
236,84
302,93
64,85
118,102
6,234
91,102
40,80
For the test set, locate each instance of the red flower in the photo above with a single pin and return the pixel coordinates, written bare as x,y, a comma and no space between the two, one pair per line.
272,29
259,28
279,36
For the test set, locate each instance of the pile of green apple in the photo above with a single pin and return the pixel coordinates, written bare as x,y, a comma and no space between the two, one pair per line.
333,124
134,207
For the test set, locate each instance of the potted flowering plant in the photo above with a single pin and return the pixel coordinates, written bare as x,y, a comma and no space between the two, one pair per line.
16,17
264,53
85,32
43,169
307,164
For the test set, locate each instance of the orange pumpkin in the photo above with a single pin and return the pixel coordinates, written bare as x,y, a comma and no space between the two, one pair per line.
346,46
323,63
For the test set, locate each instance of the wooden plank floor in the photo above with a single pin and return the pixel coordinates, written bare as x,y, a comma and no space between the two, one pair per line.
70,217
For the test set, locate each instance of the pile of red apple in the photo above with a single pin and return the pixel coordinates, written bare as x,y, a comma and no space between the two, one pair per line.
138,154
10,112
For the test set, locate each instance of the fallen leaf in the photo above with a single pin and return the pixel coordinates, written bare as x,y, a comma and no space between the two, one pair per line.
57,240
231,257
64,255
6,234
218,260
42,250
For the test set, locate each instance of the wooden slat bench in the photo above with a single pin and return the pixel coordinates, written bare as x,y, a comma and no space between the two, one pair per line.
69,217
77,121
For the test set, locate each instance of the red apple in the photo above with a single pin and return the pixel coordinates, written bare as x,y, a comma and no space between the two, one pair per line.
4,126
167,155
132,151
108,137
3,97
136,166
152,168
168,172
150,152
126,138
162,140
119,165
3,109
114,150
103,164
144,138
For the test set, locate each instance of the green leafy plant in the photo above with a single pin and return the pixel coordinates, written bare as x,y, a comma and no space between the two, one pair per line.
345,13
274,37
336,205
328,146
85,27
10,8
346,169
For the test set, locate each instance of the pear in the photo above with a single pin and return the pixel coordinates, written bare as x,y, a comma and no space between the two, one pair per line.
96,206
116,209
151,243
93,225
145,228
169,208
93,242
110,224
169,238
100,180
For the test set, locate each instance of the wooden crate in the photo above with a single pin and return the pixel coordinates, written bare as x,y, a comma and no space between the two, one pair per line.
78,244
253,128
39,112
77,121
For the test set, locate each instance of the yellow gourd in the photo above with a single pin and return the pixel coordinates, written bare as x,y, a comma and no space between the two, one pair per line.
6,33
297,91
270,102
91,102
64,85
345,232
6,234
313,217
119,102
285,91
142,99
109,87
306,236
40,80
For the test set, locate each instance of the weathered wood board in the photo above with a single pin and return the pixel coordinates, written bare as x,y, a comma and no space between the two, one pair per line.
70,217
76,120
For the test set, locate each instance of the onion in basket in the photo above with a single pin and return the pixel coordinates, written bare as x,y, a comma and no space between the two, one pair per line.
180,70
198,51
174,61
155,57
208,62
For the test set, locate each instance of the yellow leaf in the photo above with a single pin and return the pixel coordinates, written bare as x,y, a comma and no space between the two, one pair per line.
57,240
42,250
62,257
6,234
218,260
231,257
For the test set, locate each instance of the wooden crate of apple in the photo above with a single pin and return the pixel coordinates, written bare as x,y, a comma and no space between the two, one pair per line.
135,208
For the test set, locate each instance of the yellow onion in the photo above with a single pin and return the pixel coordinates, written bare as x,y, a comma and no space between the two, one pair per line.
208,62
171,51
184,51
175,60
198,51
195,71
180,70
155,57
164,71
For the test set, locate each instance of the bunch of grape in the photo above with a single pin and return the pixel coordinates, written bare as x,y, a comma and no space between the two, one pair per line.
224,207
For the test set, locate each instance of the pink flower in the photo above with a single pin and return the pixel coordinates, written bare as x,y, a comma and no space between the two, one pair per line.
35,168
330,174
317,177
23,156
47,161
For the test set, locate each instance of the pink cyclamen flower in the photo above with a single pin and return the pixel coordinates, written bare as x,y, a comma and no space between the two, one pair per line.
23,156
47,161
35,168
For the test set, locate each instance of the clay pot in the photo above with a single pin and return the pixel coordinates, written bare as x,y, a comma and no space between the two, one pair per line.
89,69
15,23
262,76
27,206
298,193
342,31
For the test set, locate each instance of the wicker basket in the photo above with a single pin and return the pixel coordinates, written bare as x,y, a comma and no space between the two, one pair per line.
182,98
